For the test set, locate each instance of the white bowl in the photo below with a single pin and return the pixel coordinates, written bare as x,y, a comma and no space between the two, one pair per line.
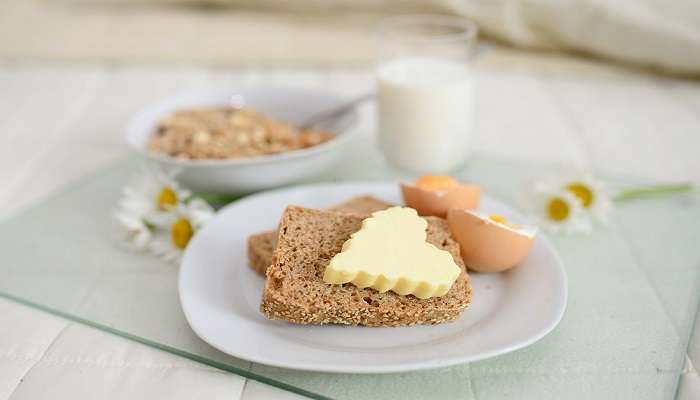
251,174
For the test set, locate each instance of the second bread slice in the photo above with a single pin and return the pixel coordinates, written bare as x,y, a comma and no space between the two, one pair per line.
262,245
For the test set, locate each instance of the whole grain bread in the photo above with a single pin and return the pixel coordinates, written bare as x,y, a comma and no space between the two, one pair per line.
363,206
262,245
295,292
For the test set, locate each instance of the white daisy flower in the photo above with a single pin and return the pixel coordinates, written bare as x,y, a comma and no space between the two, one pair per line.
138,233
162,246
155,192
593,195
557,209
178,226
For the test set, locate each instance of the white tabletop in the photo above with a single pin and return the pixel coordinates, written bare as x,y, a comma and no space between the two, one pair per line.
60,122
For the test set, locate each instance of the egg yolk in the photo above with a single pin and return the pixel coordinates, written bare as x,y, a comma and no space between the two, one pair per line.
557,209
436,182
498,219
583,192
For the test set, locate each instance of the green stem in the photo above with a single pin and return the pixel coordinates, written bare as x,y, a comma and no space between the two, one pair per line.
217,200
649,191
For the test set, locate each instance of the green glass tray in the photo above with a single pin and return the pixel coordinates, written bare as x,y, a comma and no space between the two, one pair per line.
634,291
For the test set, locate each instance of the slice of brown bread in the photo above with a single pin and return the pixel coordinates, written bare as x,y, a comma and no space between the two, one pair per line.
262,245
295,292
361,205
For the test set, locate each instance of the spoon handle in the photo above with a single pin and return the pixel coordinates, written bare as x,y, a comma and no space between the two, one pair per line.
334,112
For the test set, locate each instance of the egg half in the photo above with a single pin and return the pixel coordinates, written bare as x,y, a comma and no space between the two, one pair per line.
435,195
489,243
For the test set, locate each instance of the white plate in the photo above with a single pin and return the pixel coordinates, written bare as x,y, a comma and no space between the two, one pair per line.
220,296
250,174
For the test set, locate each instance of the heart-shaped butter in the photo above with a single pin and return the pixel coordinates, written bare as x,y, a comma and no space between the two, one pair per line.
390,252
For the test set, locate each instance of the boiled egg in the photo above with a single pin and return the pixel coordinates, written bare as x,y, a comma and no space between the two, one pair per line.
436,194
489,243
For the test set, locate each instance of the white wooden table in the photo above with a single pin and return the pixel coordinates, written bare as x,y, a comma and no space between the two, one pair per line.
60,122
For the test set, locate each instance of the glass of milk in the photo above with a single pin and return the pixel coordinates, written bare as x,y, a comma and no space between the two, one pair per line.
425,92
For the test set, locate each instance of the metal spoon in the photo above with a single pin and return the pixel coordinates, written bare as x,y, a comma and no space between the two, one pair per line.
335,112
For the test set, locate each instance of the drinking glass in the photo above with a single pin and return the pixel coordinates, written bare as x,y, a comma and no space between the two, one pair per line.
425,91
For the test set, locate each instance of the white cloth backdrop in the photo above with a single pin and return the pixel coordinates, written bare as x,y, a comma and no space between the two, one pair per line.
654,33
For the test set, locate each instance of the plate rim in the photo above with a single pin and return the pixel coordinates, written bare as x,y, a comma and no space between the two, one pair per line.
383,369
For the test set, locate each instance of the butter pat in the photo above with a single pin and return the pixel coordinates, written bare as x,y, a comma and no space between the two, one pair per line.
390,252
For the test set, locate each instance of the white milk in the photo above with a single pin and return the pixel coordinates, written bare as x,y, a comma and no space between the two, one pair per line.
425,113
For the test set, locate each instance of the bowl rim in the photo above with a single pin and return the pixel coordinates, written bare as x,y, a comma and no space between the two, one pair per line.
341,136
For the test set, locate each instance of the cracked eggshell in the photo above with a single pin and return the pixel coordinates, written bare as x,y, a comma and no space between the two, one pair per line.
438,202
487,245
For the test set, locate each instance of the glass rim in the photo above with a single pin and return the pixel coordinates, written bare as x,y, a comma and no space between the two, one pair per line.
465,29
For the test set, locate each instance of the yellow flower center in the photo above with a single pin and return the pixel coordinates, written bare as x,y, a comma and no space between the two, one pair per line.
583,192
557,209
167,198
181,232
